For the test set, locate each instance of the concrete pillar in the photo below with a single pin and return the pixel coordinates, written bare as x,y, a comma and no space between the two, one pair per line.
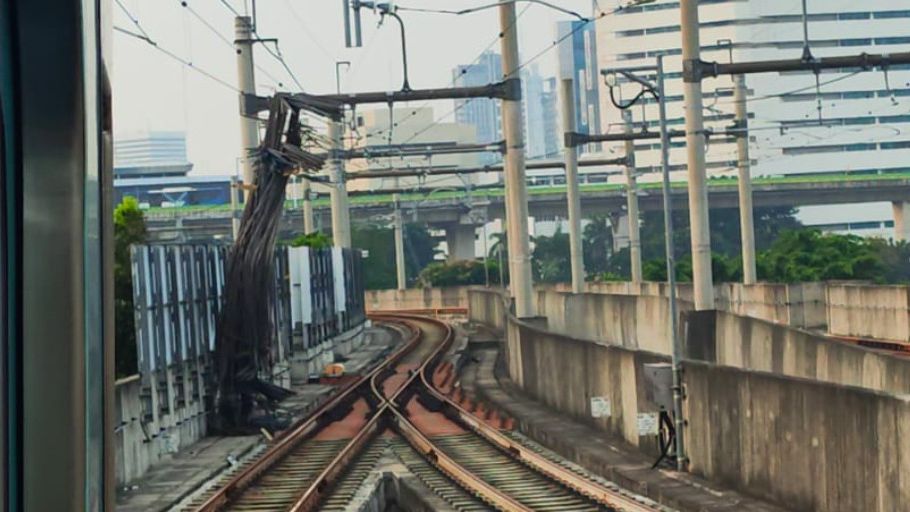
703,281
632,203
516,185
341,222
246,82
400,269
746,217
460,241
901,223
567,98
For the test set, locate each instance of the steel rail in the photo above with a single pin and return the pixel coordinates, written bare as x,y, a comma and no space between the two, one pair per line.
286,442
534,460
428,449
312,495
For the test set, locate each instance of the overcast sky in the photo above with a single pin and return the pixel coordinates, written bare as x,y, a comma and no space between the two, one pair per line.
154,92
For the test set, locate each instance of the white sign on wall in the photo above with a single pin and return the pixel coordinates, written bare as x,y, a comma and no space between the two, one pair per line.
600,407
648,423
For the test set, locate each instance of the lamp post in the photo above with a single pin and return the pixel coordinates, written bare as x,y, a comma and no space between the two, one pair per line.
657,91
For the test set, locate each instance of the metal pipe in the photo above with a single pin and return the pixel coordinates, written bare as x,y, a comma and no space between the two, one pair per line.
703,282
246,83
341,223
516,185
235,211
746,216
862,61
417,149
573,201
671,274
632,203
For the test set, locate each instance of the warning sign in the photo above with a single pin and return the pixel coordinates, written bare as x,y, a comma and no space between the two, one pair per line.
647,423
600,407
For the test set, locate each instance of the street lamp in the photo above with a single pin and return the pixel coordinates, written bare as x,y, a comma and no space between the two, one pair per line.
657,91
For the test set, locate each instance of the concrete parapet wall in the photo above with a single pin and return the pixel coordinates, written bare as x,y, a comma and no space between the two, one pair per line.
761,345
142,441
417,298
869,311
806,445
565,373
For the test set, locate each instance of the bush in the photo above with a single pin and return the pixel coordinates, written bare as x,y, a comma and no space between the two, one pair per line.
458,273
316,240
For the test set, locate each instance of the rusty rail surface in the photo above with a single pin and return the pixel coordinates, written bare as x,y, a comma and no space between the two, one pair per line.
298,433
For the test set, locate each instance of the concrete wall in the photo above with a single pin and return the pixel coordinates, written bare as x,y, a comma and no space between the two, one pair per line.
565,373
761,345
417,298
806,445
869,311
142,439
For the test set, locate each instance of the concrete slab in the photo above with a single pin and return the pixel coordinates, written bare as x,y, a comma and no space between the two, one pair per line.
614,459
171,480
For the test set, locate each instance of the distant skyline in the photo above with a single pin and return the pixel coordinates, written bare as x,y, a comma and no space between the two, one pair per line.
152,92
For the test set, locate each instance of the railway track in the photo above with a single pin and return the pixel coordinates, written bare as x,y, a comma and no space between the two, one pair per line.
397,410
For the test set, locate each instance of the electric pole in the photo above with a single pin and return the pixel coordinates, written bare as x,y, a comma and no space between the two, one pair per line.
567,97
702,278
341,221
746,215
400,270
516,186
632,201
235,211
246,82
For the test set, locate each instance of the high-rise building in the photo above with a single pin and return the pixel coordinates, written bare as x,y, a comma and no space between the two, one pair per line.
484,114
151,154
578,59
536,104
857,122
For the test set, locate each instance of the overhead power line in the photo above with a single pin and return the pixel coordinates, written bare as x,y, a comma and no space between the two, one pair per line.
175,57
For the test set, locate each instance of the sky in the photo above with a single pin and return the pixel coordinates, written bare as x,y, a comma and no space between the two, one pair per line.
152,91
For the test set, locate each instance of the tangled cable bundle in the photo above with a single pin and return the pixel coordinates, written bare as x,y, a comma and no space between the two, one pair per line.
245,332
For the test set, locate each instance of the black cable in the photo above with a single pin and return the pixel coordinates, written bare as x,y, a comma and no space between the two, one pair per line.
633,101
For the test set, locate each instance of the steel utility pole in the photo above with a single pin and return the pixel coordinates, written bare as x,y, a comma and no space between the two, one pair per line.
632,201
246,82
703,281
309,226
671,271
400,270
516,186
746,215
341,220
576,256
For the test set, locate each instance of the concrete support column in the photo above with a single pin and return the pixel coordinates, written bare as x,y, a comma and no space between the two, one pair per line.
516,186
632,203
400,270
246,82
703,281
460,240
341,221
746,216
567,98
309,225
901,223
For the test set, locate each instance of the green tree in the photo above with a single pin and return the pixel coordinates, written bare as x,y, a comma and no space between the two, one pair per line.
379,241
810,255
458,273
597,247
550,258
315,240
129,229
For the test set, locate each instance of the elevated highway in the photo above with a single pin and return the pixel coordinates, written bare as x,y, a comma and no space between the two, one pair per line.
449,207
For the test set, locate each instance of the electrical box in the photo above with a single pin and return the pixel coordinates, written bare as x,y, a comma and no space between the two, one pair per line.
659,385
